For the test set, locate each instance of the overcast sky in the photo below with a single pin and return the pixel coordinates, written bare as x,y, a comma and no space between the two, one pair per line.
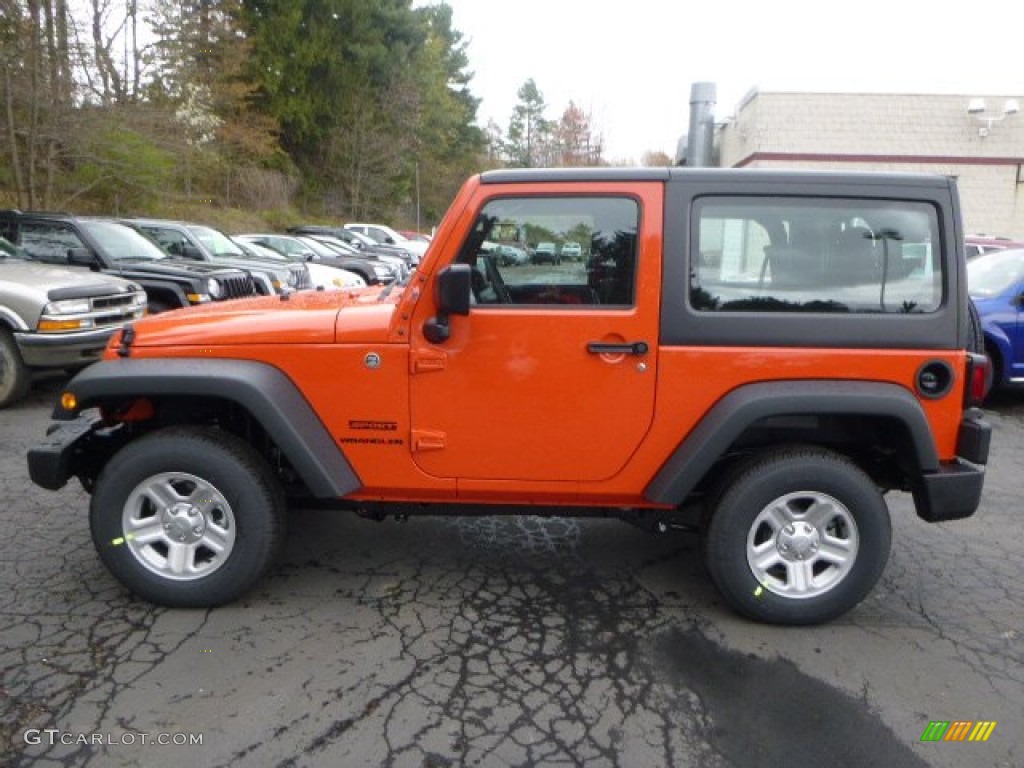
631,63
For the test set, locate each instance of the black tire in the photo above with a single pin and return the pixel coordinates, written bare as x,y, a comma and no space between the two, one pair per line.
15,377
745,534
172,484
368,278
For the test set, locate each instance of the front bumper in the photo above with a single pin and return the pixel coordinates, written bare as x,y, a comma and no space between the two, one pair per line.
58,350
53,462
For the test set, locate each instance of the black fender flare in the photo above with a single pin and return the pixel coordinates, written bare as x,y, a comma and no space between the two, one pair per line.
726,421
265,392
157,290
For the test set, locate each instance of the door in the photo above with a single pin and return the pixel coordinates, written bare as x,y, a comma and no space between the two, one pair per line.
552,374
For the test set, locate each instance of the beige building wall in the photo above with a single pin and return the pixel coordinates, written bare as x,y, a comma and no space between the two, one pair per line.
890,132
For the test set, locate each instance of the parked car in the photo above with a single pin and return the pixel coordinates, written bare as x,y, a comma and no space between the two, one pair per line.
975,245
546,253
400,265
510,255
203,243
56,318
411,235
572,251
995,281
104,245
387,236
324,277
360,242
298,247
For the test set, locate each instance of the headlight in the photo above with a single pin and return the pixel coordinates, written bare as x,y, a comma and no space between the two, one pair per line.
382,270
214,288
293,278
67,307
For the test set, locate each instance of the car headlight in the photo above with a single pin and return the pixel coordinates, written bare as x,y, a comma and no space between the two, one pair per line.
214,288
67,307
383,271
292,279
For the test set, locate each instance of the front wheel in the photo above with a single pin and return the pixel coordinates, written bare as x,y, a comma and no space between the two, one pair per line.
15,378
187,517
799,536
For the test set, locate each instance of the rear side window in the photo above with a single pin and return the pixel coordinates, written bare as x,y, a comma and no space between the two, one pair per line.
49,241
815,255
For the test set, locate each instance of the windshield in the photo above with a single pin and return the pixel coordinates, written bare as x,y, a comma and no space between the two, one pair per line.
992,274
357,238
122,243
9,250
321,249
216,242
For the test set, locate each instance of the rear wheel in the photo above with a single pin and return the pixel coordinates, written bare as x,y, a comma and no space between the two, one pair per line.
15,377
799,536
187,517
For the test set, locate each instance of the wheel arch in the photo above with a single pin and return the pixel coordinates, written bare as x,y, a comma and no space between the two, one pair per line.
163,291
262,391
855,405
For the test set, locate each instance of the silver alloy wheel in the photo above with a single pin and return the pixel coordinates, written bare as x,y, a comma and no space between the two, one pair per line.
178,526
802,545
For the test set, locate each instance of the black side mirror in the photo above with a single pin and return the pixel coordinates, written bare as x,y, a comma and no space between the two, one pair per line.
453,288
81,257
190,251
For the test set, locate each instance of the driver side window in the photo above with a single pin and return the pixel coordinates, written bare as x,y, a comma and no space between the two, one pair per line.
555,251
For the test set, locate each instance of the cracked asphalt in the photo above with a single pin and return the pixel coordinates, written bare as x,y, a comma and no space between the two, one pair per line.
504,642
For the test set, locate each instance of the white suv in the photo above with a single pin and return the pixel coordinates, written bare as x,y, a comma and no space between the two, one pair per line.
572,251
387,236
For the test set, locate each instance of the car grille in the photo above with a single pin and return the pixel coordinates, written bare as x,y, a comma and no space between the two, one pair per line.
114,310
237,286
111,302
118,318
302,279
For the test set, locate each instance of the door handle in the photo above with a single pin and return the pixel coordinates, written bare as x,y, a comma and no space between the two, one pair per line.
628,348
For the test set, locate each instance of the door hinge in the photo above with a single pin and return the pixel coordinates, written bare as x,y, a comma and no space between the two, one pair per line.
428,360
428,440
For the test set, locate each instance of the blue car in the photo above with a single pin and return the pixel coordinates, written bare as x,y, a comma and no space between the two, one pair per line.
995,281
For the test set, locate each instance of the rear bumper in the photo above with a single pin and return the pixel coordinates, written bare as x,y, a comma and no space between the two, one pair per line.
954,492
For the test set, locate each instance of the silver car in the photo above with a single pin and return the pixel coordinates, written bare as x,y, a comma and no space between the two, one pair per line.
56,318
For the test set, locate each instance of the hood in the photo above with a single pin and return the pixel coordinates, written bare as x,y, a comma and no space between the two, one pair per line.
177,267
307,317
37,279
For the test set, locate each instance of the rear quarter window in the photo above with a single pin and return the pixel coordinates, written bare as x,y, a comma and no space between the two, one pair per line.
800,255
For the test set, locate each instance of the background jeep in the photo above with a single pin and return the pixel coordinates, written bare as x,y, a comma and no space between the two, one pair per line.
105,246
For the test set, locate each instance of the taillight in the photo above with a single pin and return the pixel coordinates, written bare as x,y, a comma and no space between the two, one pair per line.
977,376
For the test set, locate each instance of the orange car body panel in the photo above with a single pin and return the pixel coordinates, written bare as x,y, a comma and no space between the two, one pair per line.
512,408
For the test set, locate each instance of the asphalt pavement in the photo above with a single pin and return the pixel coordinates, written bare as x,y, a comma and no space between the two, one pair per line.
504,641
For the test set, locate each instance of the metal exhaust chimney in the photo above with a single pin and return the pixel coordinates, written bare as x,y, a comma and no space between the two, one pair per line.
702,125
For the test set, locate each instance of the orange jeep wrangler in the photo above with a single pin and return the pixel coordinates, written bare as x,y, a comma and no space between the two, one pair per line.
755,355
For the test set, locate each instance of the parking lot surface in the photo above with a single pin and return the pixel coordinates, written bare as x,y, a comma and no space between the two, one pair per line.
504,641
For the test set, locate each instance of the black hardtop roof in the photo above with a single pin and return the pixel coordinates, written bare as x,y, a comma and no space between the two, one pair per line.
699,175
